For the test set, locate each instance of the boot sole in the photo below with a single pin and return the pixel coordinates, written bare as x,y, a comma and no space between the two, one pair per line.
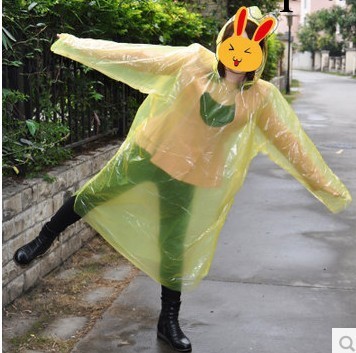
165,339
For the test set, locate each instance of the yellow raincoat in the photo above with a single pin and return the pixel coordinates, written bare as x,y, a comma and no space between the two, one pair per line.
195,135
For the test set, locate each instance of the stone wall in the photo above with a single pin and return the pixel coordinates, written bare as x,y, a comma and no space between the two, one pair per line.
28,205
345,64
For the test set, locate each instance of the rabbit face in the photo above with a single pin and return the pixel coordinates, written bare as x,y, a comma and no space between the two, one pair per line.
238,52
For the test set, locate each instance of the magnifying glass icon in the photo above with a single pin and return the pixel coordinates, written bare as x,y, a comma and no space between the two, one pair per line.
346,343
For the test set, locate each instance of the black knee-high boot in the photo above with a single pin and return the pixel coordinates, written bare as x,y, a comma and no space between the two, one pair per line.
38,246
168,328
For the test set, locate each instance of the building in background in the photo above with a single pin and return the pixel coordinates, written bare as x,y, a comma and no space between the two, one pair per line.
321,60
311,6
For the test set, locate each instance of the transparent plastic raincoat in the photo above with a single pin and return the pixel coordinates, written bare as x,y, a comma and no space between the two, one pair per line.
162,200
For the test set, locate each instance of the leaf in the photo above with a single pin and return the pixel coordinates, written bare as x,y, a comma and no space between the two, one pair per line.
34,4
15,63
26,142
6,92
7,62
5,42
96,96
8,34
28,156
32,127
16,170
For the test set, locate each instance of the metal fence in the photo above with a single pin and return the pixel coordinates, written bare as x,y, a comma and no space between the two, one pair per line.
60,90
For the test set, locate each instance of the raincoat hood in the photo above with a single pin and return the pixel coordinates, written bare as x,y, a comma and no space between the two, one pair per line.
254,15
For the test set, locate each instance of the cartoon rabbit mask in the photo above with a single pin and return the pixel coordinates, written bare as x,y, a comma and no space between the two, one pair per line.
239,53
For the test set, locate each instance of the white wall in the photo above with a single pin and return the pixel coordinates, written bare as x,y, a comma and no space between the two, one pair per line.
302,61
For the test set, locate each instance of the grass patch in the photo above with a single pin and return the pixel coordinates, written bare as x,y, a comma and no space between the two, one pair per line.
336,73
295,83
294,92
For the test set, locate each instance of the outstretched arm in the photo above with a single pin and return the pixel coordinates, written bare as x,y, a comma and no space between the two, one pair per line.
286,143
142,66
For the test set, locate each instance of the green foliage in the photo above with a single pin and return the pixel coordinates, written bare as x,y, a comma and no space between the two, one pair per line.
275,53
10,99
347,22
308,38
141,21
319,30
29,147
164,22
264,5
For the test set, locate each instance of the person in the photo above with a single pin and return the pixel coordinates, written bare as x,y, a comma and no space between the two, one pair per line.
162,200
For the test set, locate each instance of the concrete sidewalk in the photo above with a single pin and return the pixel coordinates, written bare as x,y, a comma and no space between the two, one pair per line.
284,271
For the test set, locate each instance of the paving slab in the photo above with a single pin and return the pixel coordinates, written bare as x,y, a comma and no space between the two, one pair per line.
17,326
118,273
98,294
65,328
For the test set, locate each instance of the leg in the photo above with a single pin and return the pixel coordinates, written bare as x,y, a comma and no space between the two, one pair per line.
77,206
175,200
123,172
64,217
58,223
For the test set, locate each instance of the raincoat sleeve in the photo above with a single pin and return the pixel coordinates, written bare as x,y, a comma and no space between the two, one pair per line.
283,139
144,67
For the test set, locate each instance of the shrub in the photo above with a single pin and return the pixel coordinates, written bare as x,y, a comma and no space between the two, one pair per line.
275,53
29,147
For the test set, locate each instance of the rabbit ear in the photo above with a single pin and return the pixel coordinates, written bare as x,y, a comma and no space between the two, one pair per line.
263,29
240,20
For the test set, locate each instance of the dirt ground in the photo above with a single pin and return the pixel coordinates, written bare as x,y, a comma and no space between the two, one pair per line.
25,320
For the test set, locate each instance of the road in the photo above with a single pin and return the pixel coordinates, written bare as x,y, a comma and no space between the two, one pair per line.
284,271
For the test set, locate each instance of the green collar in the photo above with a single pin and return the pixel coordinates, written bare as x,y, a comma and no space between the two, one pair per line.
215,114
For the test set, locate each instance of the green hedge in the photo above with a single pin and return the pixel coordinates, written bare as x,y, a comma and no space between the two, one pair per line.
275,54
